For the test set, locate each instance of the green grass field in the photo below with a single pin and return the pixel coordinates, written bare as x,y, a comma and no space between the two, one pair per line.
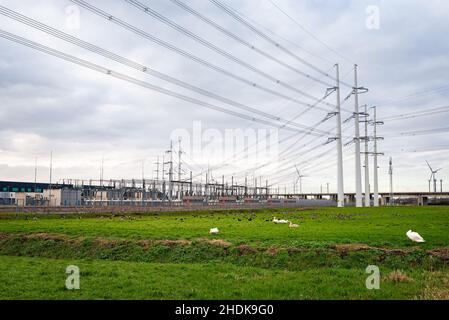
172,255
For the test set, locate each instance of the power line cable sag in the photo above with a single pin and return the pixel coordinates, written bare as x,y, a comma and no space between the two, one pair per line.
138,66
126,78
233,13
239,39
220,51
188,55
295,21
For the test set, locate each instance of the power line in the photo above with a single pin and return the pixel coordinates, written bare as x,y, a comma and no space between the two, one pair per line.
417,94
186,54
220,51
239,39
417,114
123,77
419,132
138,66
295,21
233,13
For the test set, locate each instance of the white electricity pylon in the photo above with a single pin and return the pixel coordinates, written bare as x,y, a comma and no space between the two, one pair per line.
358,173
340,184
366,139
390,172
376,168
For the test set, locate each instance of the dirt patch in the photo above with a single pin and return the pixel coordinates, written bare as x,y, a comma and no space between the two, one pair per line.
4,236
173,243
218,242
353,247
104,243
272,251
398,276
245,249
168,243
47,236
442,253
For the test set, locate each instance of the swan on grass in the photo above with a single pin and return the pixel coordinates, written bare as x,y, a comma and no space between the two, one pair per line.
292,225
214,231
414,236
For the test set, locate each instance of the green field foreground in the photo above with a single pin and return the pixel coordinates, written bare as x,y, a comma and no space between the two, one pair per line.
172,255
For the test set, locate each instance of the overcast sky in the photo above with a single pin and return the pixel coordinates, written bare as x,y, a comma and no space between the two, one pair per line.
83,116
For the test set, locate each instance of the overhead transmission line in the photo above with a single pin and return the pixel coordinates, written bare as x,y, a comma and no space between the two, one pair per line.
98,68
226,161
239,39
295,21
298,152
418,132
192,57
204,42
236,16
277,35
138,66
417,94
417,114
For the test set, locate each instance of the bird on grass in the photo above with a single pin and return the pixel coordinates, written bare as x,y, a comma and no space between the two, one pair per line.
214,231
415,236
292,225
275,220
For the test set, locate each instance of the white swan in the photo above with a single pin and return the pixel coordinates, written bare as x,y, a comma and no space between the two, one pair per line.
292,225
414,236
214,231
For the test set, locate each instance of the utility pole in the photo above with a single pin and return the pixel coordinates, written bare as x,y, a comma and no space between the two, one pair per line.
143,183
35,174
222,185
328,188
358,173
170,172
157,169
340,184
246,186
180,188
51,172
366,139
35,180
101,181
376,154
390,171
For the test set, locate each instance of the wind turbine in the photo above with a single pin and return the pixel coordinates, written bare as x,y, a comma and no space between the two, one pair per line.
300,176
433,176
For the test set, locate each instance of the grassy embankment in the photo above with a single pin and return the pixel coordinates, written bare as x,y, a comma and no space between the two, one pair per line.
172,256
